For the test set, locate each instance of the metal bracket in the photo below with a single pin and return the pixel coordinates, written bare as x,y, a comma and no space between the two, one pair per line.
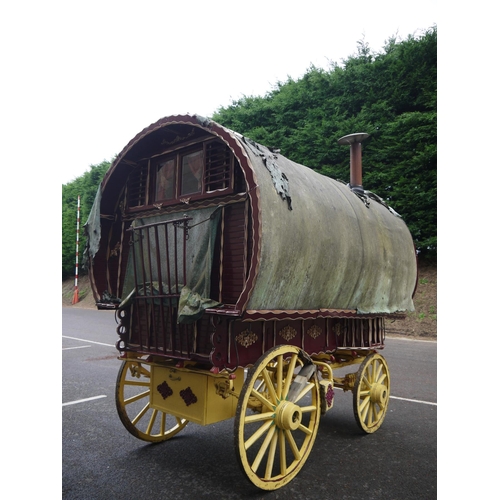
224,388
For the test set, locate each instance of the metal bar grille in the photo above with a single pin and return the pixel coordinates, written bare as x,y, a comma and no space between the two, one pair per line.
159,266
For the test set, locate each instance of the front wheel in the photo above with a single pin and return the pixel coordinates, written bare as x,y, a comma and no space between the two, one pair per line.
277,417
132,396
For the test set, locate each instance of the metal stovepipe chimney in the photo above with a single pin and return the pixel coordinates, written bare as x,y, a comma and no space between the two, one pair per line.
355,140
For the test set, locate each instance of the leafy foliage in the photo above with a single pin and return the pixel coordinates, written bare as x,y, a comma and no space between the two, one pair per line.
390,95
86,187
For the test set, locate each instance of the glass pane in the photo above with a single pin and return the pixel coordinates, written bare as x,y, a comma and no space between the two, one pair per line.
165,180
192,171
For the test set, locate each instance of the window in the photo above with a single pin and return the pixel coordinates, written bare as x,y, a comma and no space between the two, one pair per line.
165,180
217,162
192,173
198,171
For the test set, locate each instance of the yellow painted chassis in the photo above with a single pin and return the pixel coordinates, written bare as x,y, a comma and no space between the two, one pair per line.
217,393
277,402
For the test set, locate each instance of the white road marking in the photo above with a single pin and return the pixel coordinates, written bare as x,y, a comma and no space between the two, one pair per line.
88,341
83,400
110,345
77,347
410,339
414,401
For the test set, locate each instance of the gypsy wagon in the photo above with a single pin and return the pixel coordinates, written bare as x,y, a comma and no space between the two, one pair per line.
243,282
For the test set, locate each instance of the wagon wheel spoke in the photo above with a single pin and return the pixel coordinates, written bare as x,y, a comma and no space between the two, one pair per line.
135,398
259,417
262,399
305,391
135,383
258,433
279,376
292,443
270,387
371,393
271,455
140,415
264,448
151,422
289,375
274,436
282,453
133,405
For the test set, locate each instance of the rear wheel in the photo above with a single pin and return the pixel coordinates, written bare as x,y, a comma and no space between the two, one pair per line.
277,417
371,393
133,404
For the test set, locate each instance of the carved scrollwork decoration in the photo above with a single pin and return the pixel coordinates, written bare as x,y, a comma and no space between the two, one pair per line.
337,329
246,338
288,333
315,331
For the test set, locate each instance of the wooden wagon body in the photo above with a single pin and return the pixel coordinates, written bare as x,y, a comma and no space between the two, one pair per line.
217,253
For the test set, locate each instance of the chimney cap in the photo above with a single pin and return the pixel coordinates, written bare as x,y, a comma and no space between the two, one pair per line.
353,138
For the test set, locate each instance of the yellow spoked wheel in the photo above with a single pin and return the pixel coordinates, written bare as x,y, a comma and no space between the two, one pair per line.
277,417
371,393
133,405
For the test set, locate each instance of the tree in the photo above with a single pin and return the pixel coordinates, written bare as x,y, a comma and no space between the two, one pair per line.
86,187
391,95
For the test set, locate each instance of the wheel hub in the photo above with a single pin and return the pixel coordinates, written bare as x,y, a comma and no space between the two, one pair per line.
378,394
288,416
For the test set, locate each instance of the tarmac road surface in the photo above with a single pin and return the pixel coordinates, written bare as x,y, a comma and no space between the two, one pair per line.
101,460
